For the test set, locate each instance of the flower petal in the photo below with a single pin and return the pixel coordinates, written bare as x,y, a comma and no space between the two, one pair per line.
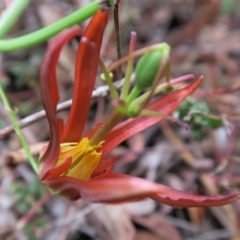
50,97
117,188
181,199
58,171
108,188
85,75
114,187
103,166
48,82
132,126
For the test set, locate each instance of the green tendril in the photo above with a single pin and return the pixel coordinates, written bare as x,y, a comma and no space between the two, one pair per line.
45,33
11,15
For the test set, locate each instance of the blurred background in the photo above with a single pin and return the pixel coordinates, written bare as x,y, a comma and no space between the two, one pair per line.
204,36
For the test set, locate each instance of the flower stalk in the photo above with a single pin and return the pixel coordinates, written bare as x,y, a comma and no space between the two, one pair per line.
112,120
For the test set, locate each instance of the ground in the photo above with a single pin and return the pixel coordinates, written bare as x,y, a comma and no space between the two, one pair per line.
204,37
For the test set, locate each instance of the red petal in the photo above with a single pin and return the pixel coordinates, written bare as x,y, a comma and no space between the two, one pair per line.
132,126
177,198
85,75
56,172
116,188
111,187
50,97
103,166
65,186
48,82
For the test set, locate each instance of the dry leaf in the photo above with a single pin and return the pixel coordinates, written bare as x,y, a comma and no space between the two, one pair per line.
143,235
112,222
159,226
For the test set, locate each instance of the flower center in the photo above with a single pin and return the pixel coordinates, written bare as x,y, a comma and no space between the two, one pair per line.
84,157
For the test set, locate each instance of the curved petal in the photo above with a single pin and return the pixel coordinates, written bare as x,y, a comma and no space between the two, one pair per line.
85,75
110,187
132,126
48,82
50,97
181,199
103,166
58,171
116,188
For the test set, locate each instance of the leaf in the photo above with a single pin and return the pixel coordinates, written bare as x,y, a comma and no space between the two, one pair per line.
153,221
113,221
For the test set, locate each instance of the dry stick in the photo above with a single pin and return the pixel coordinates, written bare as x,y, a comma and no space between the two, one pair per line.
118,35
99,92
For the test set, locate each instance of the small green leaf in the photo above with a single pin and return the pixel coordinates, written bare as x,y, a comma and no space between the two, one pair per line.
215,123
41,223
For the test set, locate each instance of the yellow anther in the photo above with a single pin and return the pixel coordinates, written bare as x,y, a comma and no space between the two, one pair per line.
85,158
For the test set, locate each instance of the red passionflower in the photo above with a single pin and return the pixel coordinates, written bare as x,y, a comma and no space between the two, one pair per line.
75,165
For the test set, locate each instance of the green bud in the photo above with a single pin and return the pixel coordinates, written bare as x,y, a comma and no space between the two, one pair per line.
103,76
147,68
133,110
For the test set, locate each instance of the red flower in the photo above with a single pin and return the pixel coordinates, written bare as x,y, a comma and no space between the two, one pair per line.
75,165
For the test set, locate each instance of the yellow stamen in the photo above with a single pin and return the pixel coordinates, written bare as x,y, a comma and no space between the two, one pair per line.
84,157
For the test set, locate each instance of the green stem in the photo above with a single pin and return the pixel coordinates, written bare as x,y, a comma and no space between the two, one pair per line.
11,15
108,125
45,33
107,78
133,94
126,85
18,130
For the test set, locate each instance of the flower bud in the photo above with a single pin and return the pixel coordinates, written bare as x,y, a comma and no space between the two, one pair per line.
148,66
134,110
